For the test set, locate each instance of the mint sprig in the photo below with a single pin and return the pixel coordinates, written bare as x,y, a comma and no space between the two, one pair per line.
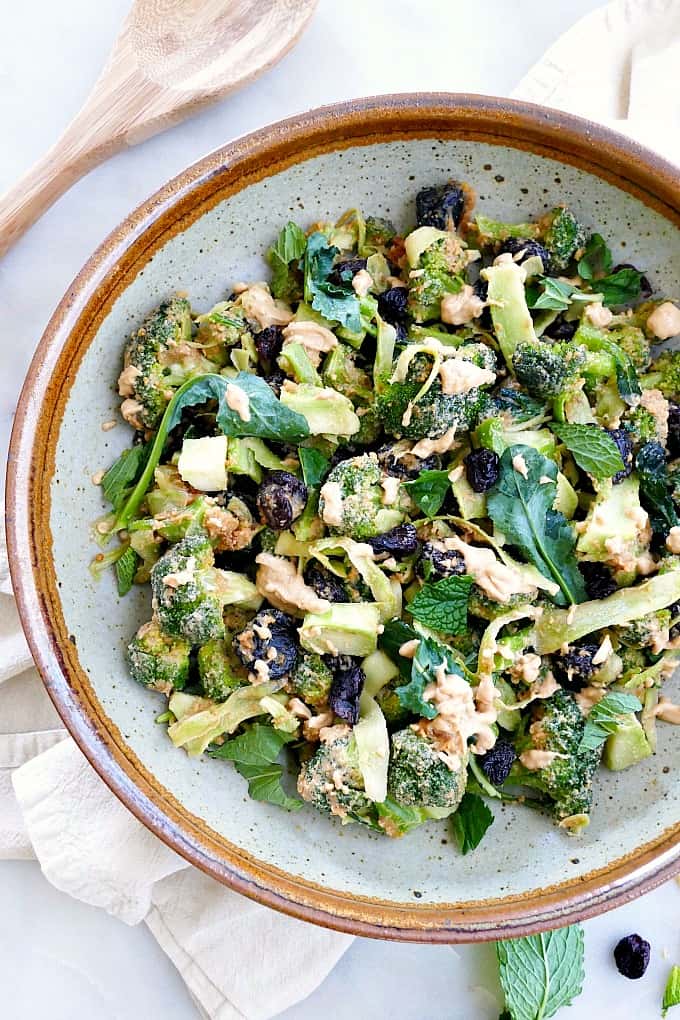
541,973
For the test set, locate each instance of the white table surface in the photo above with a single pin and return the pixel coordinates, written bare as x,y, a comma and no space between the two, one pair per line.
59,958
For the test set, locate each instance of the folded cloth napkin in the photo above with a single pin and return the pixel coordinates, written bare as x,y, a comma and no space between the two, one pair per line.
613,66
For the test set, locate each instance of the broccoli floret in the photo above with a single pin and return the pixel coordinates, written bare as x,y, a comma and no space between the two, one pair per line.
223,326
189,593
341,371
157,660
642,425
563,235
649,631
390,705
633,341
433,413
331,780
557,725
351,499
312,679
157,360
664,374
219,669
437,260
379,233
485,608
418,776
633,660
546,370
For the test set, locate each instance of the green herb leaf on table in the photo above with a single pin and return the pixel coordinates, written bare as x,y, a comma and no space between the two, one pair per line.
605,718
254,754
289,248
591,447
395,634
541,973
126,568
429,656
470,822
428,491
336,302
655,496
621,288
671,995
443,606
315,466
123,473
596,259
521,508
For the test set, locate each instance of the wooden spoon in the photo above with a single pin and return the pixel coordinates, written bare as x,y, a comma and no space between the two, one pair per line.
171,58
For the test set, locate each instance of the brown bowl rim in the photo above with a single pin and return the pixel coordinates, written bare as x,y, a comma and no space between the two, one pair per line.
561,136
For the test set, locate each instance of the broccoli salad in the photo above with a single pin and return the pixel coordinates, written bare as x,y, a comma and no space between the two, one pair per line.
410,516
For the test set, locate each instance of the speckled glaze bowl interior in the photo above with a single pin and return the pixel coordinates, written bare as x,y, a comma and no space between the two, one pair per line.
202,232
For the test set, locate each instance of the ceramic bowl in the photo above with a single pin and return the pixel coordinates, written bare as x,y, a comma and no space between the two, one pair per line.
200,233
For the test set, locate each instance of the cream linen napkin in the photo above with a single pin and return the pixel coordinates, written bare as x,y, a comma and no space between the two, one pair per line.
618,65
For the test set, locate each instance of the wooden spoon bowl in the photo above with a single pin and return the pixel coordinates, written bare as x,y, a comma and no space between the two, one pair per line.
172,58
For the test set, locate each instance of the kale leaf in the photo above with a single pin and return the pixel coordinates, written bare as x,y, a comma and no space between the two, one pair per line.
336,302
283,257
430,654
655,497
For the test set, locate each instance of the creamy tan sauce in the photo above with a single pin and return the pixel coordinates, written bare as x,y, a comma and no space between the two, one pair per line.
98,476
666,711
258,304
409,648
278,581
331,494
598,315
180,577
657,405
106,426
126,380
460,376
362,282
315,338
664,322
545,480
390,487
589,696
520,465
131,409
426,447
535,759
673,541
312,728
461,308
464,712
237,401
499,581
298,708
527,667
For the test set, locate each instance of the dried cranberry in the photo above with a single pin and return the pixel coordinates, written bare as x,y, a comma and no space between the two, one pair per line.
275,380
268,343
574,668
392,304
515,245
625,444
396,459
345,692
482,468
342,272
632,956
281,498
270,637
325,584
437,562
598,579
561,329
441,205
646,289
497,762
401,541
673,441
674,610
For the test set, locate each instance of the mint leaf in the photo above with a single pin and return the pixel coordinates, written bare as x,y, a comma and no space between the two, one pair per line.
315,466
126,568
254,754
621,288
443,606
655,495
591,447
521,508
541,973
555,295
604,718
289,248
335,301
428,491
596,259
470,822
429,656
671,995
123,473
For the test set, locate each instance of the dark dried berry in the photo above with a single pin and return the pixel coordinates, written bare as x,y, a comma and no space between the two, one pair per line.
437,562
341,663
400,541
342,272
275,380
281,498
574,668
632,956
515,245
440,206
598,579
673,441
481,288
268,343
482,468
138,438
624,442
345,693
646,289
393,304
270,638
674,610
561,329
325,584
497,762
396,459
